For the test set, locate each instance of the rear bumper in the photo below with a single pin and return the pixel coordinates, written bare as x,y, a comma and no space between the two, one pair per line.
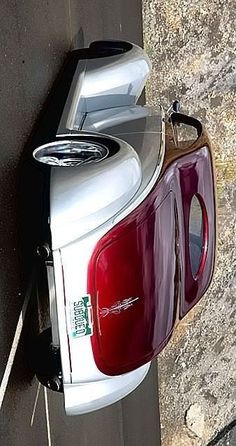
87,397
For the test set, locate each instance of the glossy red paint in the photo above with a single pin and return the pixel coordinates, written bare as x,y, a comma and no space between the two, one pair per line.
196,177
133,277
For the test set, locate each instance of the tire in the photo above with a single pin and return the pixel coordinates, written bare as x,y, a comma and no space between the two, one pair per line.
46,361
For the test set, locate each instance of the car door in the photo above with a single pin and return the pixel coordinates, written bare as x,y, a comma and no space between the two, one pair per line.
190,163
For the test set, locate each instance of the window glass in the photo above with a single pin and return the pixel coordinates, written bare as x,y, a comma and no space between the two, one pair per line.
196,238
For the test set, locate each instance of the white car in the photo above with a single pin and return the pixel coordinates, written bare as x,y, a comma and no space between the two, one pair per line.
122,216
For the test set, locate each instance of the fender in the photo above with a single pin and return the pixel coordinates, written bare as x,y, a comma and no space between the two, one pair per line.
112,74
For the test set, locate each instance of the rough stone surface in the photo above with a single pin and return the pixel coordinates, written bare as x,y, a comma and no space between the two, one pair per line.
192,48
195,420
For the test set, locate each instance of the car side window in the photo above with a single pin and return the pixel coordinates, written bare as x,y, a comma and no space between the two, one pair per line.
196,235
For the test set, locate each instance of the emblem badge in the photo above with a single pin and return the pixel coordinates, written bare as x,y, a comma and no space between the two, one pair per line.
117,307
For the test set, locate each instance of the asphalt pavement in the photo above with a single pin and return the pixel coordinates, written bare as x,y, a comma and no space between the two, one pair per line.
35,37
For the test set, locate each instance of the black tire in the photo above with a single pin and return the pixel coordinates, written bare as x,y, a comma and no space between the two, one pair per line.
46,361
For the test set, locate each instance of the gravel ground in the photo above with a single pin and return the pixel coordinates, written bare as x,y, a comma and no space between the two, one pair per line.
192,48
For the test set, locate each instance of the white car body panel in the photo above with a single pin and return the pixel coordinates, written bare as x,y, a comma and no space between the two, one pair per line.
103,83
117,180
87,397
